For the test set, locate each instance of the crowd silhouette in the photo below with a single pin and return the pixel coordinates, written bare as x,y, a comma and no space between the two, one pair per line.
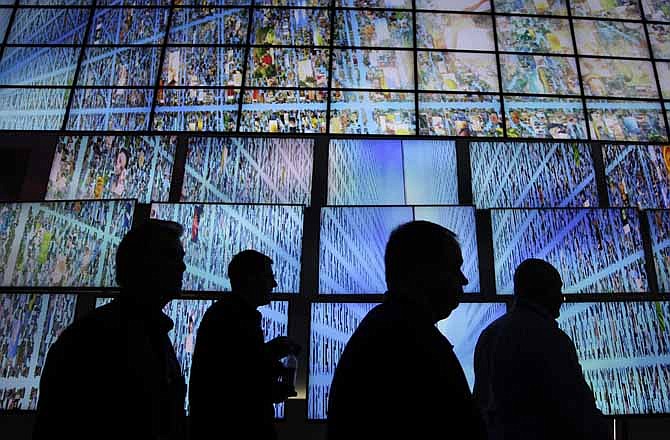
114,373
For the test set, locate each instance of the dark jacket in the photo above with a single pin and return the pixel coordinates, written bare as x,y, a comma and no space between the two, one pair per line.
529,383
112,375
398,377
230,391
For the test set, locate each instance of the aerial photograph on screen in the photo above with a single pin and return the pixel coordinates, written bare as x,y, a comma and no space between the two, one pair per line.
209,26
62,244
454,31
637,176
373,69
541,7
659,35
618,78
372,113
291,27
534,34
203,66
372,28
539,74
626,121
129,26
284,111
610,38
595,250
627,9
532,175
545,118
624,352
460,115
29,324
110,109
214,233
457,71
112,167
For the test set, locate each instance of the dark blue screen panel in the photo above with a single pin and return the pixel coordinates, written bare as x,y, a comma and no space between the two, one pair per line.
532,175
125,26
638,176
209,26
284,111
119,66
29,324
539,74
214,233
457,71
109,167
333,324
196,109
62,244
372,113
454,31
5,15
202,66
534,34
543,7
547,118
248,170
627,9
373,28
48,26
659,225
32,109
611,38
110,109
353,241
594,250
626,121
38,66
392,172
460,115
618,78
287,67
291,27
373,69
624,352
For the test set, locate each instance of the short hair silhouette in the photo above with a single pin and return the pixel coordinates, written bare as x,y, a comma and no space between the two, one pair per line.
415,244
132,251
533,277
245,263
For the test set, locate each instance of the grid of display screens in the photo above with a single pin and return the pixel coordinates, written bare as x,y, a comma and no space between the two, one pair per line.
332,324
62,244
187,315
353,240
594,250
29,324
624,352
478,68
216,232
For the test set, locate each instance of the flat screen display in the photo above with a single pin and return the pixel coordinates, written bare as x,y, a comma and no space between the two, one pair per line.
454,31
624,352
545,118
659,225
594,250
532,175
457,71
611,38
29,324
196,109
32,109
248,170
374,29
534,34
119,66
284,111
539,74
542,7
392,172
106,167
291,27
626,121
38,66
353,241
618,78
203,66
110,109
287,67
187,315
372,113
209,25
373,69
460,115
36,26
214,233
128,26
62,244
333,324
637,176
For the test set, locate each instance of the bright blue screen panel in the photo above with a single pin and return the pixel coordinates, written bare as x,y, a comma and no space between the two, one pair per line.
659,225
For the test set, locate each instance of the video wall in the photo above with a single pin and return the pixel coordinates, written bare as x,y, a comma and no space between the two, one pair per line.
597,211
477,68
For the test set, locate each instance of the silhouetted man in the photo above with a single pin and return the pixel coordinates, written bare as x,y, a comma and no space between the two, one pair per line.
398,376
528,381
114,373
234,376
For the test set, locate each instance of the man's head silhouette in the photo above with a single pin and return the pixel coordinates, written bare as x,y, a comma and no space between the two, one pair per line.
423,261
251,277
150,263
538,282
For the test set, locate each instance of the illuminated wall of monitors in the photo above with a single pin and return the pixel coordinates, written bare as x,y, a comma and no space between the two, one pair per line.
531,128
543,69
